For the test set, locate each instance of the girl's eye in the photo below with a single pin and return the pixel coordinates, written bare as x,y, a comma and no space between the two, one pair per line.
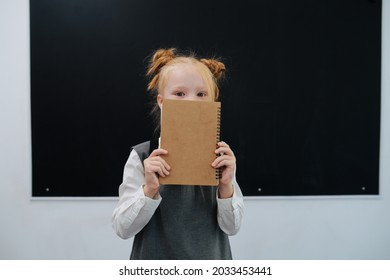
201,94
179,93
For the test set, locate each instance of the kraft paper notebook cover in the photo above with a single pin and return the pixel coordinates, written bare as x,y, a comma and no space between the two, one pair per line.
190,131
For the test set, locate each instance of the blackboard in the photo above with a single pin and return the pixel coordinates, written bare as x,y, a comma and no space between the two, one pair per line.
300,103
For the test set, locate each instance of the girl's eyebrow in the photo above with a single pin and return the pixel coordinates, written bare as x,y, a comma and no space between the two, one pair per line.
203,89
179,88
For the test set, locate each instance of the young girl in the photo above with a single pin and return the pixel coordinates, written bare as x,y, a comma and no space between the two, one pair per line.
178,222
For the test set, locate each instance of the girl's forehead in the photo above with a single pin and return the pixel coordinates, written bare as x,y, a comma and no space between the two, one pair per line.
183,71
183,66
185,76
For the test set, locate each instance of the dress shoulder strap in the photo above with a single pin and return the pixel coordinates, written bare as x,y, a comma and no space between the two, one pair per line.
144,149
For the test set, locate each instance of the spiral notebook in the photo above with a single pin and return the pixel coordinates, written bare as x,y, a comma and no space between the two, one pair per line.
190,131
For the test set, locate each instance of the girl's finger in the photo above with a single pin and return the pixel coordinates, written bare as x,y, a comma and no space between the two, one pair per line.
158,167
223,161
222,144
157,159
158,152
224,150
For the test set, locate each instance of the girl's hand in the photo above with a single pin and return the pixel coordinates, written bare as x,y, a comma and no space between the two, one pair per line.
227,162
155,166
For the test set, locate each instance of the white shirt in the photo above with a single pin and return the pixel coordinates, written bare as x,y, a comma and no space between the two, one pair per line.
134,209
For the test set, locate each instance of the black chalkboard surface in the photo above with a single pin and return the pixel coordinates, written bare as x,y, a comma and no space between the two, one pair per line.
300,105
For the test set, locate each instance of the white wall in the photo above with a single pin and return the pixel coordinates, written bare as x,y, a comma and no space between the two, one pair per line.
273,228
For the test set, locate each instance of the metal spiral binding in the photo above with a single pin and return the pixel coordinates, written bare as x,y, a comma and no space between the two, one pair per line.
218,171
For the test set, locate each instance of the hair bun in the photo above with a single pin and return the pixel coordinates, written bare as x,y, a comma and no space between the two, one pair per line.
160,58
216,67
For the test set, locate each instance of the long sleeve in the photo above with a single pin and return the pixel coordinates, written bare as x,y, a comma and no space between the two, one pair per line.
231,211
134,209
